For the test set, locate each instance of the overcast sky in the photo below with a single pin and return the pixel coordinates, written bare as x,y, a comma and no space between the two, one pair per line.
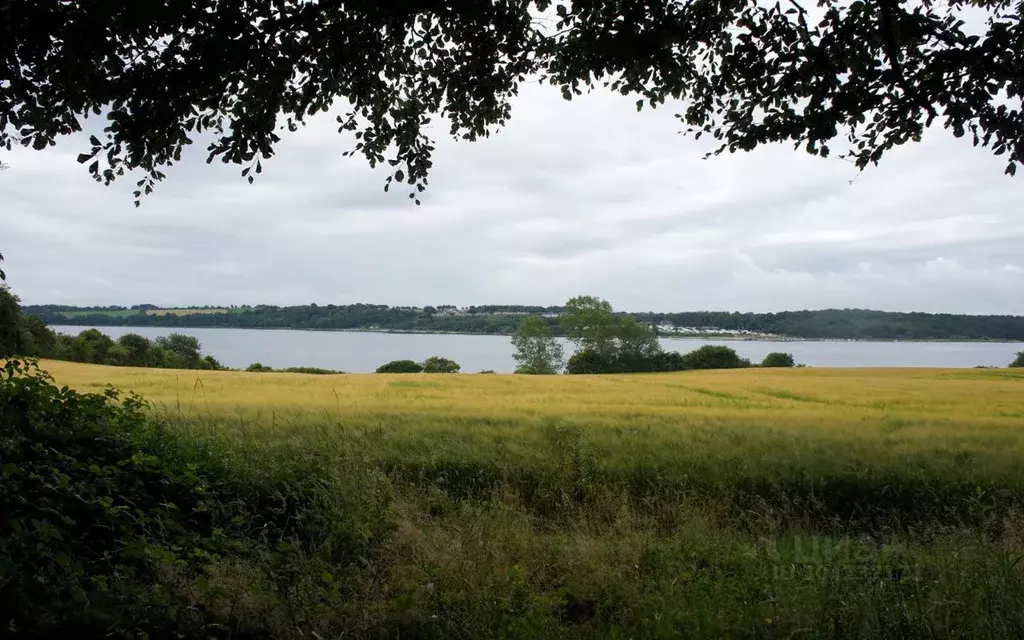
581,197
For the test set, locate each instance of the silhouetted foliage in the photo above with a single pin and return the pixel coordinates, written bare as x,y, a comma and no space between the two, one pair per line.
1019,361
778,359
872,75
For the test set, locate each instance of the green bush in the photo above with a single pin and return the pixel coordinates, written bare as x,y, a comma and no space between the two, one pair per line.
778,359
312,370
114,524
715,357
400,366
1019,362
437,364
259,367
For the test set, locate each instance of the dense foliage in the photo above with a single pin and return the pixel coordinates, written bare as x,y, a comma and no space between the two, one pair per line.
115,525
830,324
865,76
777,359
27,335
400,366
1019,361
437,364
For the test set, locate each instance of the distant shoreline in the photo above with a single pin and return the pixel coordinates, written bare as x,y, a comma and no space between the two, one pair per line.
708,336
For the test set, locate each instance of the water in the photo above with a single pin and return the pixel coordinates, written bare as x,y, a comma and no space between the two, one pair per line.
362,352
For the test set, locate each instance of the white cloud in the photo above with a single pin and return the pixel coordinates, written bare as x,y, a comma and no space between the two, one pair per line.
580,197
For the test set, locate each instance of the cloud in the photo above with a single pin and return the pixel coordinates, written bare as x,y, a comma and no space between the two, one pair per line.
580,197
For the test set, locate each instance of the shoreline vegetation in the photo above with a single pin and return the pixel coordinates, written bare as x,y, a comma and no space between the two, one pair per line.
825,325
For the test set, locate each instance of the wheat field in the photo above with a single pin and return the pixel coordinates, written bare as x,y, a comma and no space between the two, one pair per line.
800,503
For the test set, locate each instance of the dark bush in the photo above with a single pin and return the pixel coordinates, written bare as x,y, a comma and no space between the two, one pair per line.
778,359
587,362
437,364
312,370
259,367
113,525
714,357
401,366
1019,362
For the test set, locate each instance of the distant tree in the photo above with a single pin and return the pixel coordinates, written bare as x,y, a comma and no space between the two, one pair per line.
638,348
400,366
588,321
259,367
92,345
139,349
212,363
488,371
778,359
1019,362
714,357
437,364
536,350
187,347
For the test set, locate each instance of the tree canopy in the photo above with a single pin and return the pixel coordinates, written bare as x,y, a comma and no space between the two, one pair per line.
859,76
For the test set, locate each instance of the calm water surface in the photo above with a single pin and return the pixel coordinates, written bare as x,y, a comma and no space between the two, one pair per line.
362,352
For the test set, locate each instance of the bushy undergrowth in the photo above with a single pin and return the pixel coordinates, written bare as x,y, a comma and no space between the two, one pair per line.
114,524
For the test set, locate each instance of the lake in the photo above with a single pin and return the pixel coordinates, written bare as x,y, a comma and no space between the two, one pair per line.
362,352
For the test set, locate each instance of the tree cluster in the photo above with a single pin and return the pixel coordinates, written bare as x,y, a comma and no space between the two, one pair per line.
433,364
23,335
610,343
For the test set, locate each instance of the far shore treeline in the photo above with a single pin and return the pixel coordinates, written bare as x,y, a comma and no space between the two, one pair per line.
829,324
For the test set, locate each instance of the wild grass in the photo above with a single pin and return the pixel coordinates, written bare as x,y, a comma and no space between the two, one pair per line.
872,503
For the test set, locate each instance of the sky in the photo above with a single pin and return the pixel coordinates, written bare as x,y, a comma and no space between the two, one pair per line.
581,197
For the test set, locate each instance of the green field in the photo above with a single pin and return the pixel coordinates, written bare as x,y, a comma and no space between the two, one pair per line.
810,503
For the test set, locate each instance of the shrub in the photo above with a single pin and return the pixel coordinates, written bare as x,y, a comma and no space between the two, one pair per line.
259,367
437,364
313,370
715,357
588,361
116,526
1019,362
777,359
400,366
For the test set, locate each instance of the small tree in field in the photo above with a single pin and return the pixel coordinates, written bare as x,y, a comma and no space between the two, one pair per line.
437,364
1019,362
777,359
536,350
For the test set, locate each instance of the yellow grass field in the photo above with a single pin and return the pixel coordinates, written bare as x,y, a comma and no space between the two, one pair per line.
971,407
755,503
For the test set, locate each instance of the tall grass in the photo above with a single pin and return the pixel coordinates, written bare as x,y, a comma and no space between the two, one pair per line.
752,503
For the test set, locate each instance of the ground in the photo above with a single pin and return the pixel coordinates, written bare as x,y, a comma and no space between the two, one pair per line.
753,503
